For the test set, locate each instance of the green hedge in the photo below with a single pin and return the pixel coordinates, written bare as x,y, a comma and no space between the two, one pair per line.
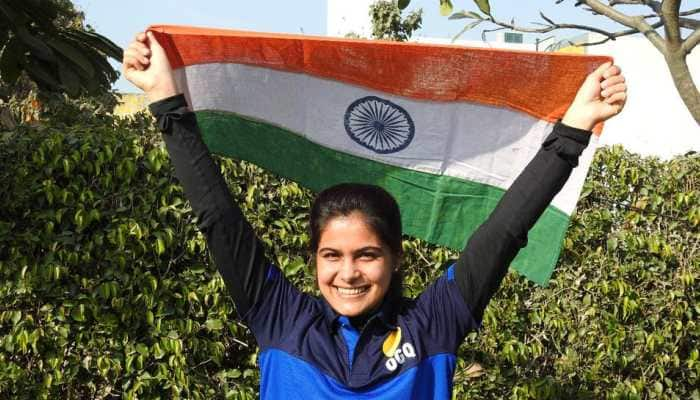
106,288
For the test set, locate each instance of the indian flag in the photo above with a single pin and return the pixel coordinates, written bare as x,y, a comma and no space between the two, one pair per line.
444,129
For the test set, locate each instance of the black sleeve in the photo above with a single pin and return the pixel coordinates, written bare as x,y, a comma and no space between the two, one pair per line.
237,252
485,259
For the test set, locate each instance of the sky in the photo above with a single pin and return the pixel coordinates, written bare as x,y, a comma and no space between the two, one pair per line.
121,20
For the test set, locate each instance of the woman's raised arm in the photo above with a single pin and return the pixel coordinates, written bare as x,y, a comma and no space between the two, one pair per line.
490,250
237,252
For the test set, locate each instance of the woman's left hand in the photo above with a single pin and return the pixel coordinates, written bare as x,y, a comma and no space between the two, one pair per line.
602,95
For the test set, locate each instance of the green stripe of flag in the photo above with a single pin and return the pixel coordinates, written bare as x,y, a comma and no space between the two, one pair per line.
431,205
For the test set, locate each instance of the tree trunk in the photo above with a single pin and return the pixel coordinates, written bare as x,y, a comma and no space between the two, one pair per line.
680,73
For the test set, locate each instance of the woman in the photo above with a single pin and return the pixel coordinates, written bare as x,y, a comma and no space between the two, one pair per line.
361,339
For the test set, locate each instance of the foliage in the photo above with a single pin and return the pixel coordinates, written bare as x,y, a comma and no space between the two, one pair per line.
46,40
388,24
106,288
620,318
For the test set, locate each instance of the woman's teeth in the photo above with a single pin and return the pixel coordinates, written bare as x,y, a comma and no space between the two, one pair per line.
351,291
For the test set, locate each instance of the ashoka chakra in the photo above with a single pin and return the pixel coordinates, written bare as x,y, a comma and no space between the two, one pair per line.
379,125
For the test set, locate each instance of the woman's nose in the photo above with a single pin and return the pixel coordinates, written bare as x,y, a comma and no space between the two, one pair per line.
349,271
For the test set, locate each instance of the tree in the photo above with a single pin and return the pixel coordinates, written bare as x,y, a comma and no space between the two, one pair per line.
663,26
46,40
388,24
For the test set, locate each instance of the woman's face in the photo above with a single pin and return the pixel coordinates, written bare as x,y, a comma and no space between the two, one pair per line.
353,266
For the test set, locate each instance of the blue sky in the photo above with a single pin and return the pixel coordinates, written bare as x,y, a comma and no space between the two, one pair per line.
120,20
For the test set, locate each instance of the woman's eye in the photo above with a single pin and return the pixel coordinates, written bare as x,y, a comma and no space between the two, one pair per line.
330,256
369,256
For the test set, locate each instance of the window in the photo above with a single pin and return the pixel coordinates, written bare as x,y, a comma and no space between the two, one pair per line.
513,37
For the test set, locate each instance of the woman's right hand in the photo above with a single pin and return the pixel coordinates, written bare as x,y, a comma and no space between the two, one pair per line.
146,65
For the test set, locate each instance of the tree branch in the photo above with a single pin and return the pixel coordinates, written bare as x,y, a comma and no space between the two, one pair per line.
654,5
669,15
637,23
552,26
616,35
689,12
691,41
681,14
689,23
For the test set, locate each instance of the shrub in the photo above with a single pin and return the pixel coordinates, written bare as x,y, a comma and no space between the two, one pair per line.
106,288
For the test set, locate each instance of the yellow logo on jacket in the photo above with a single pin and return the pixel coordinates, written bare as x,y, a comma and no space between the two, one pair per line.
391,343
396,352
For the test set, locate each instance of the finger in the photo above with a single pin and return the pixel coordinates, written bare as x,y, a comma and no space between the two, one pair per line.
137,54
598,73
129,59
153,42
140,47
140,37
130,66
620,87
612,71
614,80
618,98
133,62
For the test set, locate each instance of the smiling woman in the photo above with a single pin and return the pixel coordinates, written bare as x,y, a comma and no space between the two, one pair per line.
361,338
356,240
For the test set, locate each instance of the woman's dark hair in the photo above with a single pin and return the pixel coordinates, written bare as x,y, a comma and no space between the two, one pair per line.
379,208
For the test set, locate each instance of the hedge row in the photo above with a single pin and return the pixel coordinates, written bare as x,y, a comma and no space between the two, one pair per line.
107,290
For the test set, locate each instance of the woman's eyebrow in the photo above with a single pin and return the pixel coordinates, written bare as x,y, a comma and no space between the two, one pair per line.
367,248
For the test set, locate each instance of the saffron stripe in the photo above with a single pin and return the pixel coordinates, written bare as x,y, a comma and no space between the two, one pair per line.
540,84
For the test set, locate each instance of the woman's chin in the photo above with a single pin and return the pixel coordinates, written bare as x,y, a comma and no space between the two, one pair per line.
353,307
351,310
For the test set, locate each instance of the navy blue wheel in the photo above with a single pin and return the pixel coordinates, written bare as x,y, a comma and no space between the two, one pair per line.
379,125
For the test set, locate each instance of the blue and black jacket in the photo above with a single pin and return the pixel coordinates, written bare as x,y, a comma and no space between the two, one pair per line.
405,350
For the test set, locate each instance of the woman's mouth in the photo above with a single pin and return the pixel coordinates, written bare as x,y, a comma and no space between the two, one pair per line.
351,292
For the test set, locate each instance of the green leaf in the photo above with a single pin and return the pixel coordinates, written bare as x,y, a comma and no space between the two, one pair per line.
403,4
152,282
214,324
465,14
198,269
98,42
69,79
295,266
157,351
36,46
79,218
16,317
142,349
78,313
445,7
77,57
42,75
160,246
484,6
466,28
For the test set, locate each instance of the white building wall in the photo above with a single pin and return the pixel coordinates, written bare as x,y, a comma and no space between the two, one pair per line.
475,43
655,120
